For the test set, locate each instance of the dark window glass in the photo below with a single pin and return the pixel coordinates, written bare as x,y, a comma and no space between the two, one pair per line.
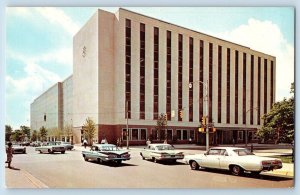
184,135
168,76
236,113
219,82
272,85
251,90
258,90
179,76
128,68
265,84
142,71
201,86
210,80
135,133
143,134
228,88
178,133
244,87
156,72
191,63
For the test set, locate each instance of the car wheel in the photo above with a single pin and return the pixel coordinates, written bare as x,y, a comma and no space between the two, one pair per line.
50,152
154,160
40,151
142,157
63,152
99,161
194,165
236,170
119,162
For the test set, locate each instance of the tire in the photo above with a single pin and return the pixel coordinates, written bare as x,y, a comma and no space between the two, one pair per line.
236,170
50,152
154,159
99,161
40,151
63,152
194,165
85,158
119,162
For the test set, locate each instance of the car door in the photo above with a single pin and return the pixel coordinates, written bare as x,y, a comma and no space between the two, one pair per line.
225,159
212,159
146,152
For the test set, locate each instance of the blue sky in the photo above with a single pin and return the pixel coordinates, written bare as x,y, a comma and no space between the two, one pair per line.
39,44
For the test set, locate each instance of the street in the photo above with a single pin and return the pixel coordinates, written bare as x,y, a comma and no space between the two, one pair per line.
69,170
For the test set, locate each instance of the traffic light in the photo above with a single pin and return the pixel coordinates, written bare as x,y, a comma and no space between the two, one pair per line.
204,120
181,113
201,130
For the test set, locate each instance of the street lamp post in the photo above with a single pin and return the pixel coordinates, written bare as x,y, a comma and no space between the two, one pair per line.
206,108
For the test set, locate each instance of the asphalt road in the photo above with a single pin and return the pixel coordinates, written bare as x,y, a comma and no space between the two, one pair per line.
69,170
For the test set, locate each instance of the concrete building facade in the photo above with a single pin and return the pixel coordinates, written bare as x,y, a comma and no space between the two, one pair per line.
127,65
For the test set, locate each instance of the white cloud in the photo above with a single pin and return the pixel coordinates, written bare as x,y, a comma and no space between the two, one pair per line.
57,16
266,37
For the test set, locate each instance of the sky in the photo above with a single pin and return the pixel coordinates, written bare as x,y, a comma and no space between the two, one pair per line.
39,43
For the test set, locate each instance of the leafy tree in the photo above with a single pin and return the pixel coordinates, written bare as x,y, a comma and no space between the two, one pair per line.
68,131
34,136
43,133
89,130
17,135
25,131
57,133
8,132
279,122
161,126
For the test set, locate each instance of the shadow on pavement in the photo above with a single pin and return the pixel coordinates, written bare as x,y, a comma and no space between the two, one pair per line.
112,164
270,177
13,168
167,162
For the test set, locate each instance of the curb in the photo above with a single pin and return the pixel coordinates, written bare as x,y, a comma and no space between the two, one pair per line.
36,182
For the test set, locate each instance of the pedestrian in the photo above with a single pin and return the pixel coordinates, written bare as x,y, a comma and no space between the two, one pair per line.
233,141
84,143
165,142
118,142
190,140
148,142
9,154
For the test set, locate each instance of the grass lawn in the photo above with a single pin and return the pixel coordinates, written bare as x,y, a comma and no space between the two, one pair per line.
285,159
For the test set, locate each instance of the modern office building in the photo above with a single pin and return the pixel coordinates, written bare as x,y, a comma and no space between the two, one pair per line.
129,68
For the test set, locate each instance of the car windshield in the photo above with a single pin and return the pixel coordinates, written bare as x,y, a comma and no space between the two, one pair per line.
243,152
165,147
109,148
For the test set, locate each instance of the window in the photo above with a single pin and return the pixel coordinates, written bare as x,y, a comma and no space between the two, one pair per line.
214,152
240,135
191,63
143,134
169,134
179,75
236,113
265,84
142,71
128,68
135,134
244,87
210,80
219,82
168,76
251,91
156,72
258,91
201,79
272,85
228,88
192,134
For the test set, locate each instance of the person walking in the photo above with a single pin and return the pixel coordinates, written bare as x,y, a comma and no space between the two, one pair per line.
148,142
9,154
84,143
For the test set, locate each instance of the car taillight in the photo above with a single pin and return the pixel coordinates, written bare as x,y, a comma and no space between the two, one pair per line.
276,162
265,163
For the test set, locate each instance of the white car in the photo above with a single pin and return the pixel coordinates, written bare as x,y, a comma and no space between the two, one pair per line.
237,160
161,152
51,149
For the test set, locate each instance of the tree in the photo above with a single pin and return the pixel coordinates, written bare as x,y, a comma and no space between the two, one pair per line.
89,130
34,136
16,135
68,131
25,131
279,122
161,126
43,133
57,133
8,132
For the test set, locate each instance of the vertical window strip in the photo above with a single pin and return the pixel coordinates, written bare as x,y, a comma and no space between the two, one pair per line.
191,56
258,90
210,70
219,82
179,75
201,86
128,68
244,87
228,88
265,85
156,73
251,90
142,71
236,87
272,85
168,76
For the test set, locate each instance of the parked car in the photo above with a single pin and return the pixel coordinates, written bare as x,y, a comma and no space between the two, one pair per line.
237,160
35,143
106,153
50,148
161,152
67,145
25,143
18,149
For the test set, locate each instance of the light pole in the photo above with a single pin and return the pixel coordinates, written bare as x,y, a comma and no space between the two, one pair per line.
206,108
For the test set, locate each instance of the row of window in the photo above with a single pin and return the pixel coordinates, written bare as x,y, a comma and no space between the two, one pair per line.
140,134
237,93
